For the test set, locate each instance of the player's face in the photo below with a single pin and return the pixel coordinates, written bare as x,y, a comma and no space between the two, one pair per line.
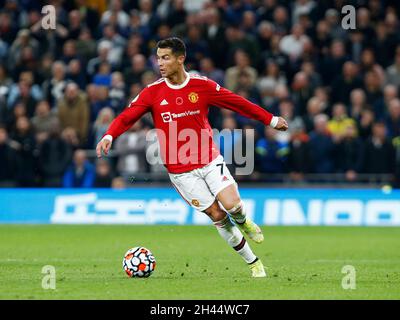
168,63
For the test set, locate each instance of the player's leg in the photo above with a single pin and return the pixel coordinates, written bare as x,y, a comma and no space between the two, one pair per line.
224,187
194,190
230,199
232,235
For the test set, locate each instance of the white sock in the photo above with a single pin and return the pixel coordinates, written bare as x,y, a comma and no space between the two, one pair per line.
235,239
238,213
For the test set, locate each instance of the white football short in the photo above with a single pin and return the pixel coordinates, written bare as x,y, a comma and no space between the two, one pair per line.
200,187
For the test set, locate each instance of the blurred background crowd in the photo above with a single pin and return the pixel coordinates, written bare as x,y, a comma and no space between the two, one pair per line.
337,88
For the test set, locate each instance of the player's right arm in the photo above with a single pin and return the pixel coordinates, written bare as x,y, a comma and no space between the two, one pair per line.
124,121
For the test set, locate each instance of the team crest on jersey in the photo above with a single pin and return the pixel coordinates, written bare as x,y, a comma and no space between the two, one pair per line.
193,97
195,202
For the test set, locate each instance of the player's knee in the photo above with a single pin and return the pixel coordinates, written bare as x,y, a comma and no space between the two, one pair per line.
234,206
215,212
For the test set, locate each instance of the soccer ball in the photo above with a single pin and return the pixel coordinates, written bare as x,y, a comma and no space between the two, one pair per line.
139,262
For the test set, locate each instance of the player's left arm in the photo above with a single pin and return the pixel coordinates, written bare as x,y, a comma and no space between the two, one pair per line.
221,97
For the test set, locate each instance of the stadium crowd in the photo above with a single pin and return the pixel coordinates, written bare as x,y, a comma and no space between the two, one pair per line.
337,88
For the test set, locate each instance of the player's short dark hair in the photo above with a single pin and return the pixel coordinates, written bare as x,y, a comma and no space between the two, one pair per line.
176,45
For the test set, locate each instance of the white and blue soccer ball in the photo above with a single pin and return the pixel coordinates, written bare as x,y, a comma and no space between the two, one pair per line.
139,262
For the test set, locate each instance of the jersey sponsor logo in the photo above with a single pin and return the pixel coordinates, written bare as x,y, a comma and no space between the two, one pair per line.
193,97
218,87
164,103
166,116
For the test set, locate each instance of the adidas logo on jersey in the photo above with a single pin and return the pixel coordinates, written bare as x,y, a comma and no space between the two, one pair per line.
164,103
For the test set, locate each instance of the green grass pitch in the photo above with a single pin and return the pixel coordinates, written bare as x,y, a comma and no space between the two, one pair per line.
193,262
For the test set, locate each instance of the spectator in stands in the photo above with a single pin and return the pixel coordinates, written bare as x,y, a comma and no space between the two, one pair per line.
134,72
384,44
147,15
242,63
103,53
196,47
26,91
271,77
381,106
208,69
237,39
177,13
70,136
117,91
86,46
8,160
393,71
340,121
281,20
26,155
270,154
88,14
74,24
332,17
22,41
103,76
345,83
373,88
53,88
293,44
116,8
379,152
348,154
393,118
43,121
76,74
358,103
322,151
73,111
104,175
69,52
265,31
131,151
333,61
117,44
301,92
308,67
313,108
299,161
215,36
100,126
81,173
365,123
287,111
118,183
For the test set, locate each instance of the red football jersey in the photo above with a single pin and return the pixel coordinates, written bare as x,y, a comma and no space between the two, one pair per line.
180,116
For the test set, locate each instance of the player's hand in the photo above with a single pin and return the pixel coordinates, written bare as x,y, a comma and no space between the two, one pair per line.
281,125
103,146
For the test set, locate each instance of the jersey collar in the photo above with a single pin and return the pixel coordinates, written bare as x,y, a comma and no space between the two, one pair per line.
178,86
